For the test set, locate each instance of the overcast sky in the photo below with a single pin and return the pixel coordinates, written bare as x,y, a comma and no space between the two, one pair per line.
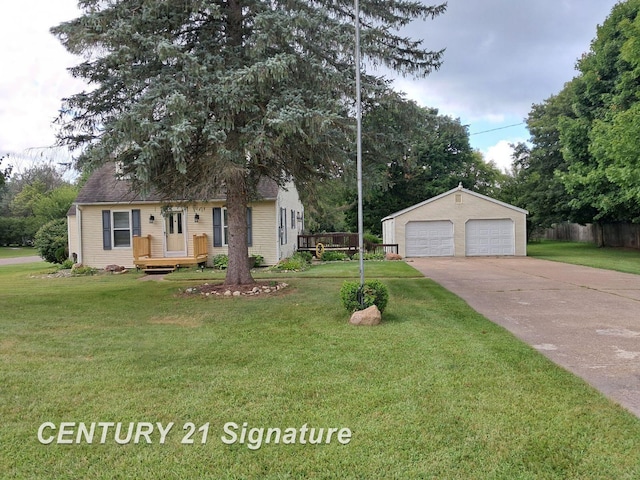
501,57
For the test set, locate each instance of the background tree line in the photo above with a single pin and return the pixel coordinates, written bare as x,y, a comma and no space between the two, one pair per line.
410,153
583,161
581,164
31,199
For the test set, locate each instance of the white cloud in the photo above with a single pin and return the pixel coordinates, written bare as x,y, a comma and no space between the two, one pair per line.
500,154
33,87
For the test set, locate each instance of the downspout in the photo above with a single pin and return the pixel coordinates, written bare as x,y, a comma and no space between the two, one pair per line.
278,229
79,228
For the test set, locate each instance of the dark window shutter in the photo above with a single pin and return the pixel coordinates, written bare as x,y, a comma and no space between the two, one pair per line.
135,220
283,226
249,229
217,227
106,229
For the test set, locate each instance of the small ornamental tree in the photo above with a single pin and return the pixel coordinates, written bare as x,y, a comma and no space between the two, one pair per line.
51,241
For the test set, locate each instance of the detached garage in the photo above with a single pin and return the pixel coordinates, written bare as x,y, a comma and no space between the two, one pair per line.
458,223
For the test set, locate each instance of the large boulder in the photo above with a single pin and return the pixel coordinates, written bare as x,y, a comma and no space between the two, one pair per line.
369,316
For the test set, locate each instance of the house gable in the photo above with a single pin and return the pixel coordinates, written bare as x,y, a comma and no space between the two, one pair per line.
458,189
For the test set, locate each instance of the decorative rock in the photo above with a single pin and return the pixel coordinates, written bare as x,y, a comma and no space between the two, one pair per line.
369,316
227,293
393,256
237,293
113,268
255,290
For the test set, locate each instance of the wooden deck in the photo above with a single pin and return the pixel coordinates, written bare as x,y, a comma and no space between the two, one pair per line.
142,255
341,242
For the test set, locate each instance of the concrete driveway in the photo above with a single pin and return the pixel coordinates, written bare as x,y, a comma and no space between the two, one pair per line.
18,260
587,320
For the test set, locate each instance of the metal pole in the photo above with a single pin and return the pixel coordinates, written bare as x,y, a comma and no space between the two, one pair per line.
359,147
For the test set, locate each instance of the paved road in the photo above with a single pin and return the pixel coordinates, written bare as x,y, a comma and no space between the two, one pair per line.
16,260
584,319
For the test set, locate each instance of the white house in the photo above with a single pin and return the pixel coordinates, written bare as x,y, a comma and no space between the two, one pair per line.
107,215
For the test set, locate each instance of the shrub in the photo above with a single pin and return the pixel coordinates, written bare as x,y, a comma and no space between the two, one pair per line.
51,241
374,293
306,256
259,260
67,264
292,263
82,270
333,256
370,256
371,238
298,262
220,261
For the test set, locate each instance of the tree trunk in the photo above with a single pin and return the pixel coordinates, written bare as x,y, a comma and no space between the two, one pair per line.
238,270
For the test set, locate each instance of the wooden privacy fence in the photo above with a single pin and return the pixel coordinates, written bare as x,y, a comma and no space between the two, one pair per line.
609,234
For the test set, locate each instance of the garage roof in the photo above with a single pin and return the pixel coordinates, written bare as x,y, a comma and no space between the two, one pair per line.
459,188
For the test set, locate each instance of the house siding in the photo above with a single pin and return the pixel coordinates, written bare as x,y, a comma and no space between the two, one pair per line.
93,254
91,222
446,208
288,200
72,234
262,239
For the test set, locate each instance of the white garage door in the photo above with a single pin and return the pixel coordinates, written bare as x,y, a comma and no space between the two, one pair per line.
489,237
429,239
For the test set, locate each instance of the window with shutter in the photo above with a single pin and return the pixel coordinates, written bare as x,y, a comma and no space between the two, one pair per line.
221,227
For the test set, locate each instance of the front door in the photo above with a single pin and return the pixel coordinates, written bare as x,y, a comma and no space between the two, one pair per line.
174,232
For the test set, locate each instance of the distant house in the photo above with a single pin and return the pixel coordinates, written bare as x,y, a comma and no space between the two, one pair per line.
107,220
458,223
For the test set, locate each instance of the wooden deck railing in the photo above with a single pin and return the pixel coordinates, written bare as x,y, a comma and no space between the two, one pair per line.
381,247
200,245
343,242
347,242
141,247
142,254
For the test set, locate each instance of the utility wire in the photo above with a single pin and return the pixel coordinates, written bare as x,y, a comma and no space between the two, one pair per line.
496,129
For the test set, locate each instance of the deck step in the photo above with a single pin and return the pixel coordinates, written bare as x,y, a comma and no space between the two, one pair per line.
159,270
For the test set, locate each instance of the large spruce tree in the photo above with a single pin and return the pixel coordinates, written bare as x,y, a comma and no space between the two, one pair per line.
189,95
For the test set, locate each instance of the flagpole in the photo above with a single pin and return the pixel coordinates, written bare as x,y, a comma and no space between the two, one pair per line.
359,148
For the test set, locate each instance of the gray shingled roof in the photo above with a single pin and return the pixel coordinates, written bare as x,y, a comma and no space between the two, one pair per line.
104,187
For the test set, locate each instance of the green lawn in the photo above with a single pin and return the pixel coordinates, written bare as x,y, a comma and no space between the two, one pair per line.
349,269
437,391
13,252
622,260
